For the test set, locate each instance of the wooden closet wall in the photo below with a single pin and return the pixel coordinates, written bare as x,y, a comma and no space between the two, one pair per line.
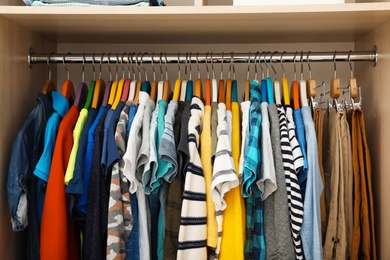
195,28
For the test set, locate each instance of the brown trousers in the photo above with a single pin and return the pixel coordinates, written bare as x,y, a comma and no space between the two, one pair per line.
363,241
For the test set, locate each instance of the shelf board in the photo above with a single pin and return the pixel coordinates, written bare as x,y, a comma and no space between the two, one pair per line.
205,24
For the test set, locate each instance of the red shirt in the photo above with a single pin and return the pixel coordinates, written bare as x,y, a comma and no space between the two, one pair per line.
60,237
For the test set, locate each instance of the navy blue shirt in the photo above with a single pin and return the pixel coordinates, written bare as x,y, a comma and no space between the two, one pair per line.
76,185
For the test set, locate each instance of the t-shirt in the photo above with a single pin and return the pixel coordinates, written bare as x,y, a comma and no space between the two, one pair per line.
76,138
193,226
267,183
95,238
76,185
82,203
60,237
300,133
120,219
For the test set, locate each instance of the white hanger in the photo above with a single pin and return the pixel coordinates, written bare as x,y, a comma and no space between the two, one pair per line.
277,92
302,87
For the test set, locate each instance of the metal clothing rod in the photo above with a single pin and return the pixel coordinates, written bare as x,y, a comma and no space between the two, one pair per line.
182,57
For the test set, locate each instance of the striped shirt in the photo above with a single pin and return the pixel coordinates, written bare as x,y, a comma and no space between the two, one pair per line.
193,229
224,174
294,197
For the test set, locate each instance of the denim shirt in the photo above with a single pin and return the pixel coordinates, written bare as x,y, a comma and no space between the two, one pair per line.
26,151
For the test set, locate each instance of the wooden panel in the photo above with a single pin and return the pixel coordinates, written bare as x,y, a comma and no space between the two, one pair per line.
376,93
19,85
207,24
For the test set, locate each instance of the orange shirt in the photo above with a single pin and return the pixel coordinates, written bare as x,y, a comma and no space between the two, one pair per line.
60,238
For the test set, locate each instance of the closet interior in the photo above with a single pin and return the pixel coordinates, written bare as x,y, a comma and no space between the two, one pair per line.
195,29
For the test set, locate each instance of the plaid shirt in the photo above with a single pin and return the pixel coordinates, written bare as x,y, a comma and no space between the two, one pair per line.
255,243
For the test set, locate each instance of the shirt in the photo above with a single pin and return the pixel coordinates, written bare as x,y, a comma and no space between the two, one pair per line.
60,238
245,106
193,229
267,184
21,184
311,227
295,202
75,186
300,133
76,138
120,219
214,124
83,200
233,237
95,238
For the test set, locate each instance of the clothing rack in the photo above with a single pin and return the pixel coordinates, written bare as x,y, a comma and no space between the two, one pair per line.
209,57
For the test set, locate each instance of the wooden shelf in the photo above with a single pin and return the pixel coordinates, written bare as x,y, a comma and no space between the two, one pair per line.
206,24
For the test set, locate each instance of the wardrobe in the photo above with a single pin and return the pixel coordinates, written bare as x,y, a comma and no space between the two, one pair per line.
197,28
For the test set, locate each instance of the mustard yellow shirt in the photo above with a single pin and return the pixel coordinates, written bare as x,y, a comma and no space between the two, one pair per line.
205,155
233,231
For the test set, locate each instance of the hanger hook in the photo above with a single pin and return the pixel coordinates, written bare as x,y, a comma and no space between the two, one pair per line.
128,65
63,63
301,65
100,66
256,74
223,54
272,65
154,71
123,69
116,66
265,62
185,66
308,63
295,68
197,64
231,66
349,61
334,64
131,65
249,64
108,62
178,65
207,66
48,65
142,66
166,67
190,61
212,65
93,66
161,68
262,70
281,63
83,73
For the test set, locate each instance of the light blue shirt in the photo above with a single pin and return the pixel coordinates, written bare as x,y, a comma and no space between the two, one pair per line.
61,107
311,227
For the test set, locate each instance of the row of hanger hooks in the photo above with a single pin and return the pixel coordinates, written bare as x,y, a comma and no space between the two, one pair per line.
138,59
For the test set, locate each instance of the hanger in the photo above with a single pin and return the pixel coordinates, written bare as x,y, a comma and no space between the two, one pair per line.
286,95
133,83
198,84
167,84
247,81
49,85
139,83
270,91
214,84
100,85
208,85
82,91
176,89
228,90
183,88
234,81
153,86
91,88
190,83
67,86
353,88
263,82
311,85
120,84
295,87
126,83
145,87
335,82
302,87
276,83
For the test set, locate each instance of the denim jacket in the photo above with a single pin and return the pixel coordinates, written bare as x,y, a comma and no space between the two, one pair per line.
26,151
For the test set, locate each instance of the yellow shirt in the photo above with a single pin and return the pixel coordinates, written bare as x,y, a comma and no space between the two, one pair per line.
233,231
76,138
205,155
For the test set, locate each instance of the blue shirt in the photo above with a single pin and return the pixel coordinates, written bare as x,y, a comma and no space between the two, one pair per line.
311,226
82,204
76,185
21,184
61,107
132,245
107,124
300,133
252,153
